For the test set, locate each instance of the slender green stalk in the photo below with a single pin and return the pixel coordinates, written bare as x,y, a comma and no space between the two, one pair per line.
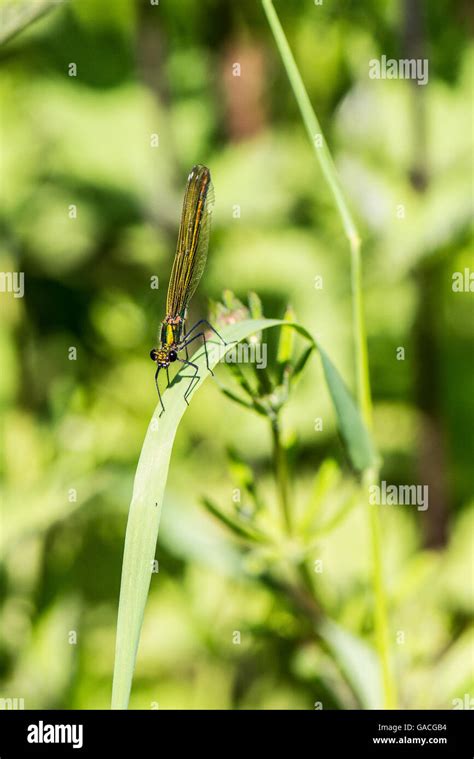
280,465
359,333
381,625
344,648
328,168
310,120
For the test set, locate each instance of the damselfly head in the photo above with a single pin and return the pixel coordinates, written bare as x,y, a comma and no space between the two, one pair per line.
164,356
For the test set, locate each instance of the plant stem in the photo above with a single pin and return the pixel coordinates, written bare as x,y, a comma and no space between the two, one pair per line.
280,466
328,168
311,121
359,333
382,633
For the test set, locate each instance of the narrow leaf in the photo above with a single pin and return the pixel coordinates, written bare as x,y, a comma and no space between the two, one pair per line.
301,363
236,526
359,445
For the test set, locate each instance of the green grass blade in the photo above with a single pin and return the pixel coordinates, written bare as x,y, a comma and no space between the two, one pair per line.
145,510
357,438
149,486
17,15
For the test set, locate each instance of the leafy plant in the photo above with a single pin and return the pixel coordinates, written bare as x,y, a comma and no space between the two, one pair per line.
328,169
267,398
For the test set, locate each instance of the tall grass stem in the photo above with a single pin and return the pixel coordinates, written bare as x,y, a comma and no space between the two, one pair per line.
329,171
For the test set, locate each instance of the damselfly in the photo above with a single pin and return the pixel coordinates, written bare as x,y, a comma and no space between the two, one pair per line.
188,266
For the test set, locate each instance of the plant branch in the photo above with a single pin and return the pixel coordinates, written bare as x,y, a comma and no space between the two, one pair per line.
280,465
328,169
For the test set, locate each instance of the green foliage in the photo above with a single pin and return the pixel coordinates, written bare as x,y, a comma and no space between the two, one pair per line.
73,430
152,471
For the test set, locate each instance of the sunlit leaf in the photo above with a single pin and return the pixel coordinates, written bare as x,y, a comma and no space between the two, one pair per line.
149,487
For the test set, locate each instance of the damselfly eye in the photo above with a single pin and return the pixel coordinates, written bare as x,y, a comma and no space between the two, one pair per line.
153,355
172,355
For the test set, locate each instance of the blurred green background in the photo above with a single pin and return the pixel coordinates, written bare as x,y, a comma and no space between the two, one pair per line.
72,429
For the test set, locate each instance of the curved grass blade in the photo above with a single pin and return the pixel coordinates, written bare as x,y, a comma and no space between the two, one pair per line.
17,15
145,510
150,481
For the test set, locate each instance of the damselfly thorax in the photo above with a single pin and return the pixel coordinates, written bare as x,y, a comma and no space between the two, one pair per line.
172,330
171,337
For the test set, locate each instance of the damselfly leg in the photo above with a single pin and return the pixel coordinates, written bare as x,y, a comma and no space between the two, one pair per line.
194,377
158,390
195,337
189,338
